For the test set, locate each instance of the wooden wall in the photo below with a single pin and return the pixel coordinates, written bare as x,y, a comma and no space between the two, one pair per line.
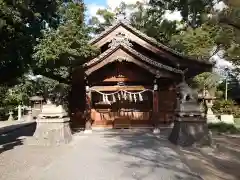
167,100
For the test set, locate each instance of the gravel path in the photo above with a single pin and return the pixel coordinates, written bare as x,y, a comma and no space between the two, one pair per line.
100,156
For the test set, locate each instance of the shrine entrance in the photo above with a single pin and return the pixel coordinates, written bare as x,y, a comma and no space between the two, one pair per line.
120,97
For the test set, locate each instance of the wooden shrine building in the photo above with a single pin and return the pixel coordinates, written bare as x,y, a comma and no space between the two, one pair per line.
132,82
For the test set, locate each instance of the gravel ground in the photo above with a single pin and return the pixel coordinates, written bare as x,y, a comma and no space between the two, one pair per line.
99,156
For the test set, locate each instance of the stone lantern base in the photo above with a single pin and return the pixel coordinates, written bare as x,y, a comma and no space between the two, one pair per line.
52,131
188,131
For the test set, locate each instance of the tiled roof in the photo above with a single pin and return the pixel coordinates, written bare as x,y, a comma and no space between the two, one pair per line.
132,51
146,38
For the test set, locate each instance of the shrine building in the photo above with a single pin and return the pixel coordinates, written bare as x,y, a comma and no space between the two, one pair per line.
131,83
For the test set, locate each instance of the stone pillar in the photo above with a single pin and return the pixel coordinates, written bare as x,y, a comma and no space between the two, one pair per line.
190,125
52,126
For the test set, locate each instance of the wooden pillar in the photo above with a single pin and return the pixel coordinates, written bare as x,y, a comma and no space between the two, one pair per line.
88,120
155,103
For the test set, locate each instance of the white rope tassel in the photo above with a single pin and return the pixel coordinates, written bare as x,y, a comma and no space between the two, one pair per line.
140,97
135,98
122,95
104,100
107,100
125,95
114,99
130,97
119,97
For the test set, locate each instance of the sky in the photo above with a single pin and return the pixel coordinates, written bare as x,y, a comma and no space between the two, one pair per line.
93,6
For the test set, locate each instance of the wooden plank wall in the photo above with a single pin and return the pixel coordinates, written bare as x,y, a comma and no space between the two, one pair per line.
167,100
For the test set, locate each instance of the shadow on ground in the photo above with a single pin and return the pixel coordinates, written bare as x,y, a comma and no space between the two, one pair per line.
15,138
151,152
221,163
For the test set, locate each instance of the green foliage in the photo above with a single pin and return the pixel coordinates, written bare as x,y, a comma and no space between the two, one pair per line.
21,23
198,42
206,81
193,12
224,128
69,40
226,107
229,23
148,20
65,46
98,26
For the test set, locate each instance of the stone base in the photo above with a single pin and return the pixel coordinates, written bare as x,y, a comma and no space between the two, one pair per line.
89,131
212,119
227,119
156,131
52,131
189,131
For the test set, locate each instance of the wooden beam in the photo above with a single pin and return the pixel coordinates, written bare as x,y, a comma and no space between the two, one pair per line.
117,88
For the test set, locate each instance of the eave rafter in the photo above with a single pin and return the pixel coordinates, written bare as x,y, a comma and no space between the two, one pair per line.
121,59
131,51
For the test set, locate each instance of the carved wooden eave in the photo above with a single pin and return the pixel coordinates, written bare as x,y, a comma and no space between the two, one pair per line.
129,52
120,55
148,43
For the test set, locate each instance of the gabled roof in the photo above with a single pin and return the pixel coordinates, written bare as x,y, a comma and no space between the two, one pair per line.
121,55
147,39
133,52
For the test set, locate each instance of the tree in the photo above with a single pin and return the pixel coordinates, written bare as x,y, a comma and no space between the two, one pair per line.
65,46
198,42
229,21
21,23
193,12
144,18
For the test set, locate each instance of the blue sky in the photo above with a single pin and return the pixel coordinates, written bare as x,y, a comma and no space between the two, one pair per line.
100,2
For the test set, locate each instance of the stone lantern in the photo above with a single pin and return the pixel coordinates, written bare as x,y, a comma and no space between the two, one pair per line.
36,102
53,125
10,118
208,99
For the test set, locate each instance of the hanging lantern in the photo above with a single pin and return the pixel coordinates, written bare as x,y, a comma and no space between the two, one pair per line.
140,97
